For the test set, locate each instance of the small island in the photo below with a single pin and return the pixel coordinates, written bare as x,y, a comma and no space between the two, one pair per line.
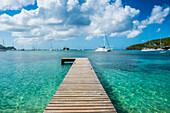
164,42
3,48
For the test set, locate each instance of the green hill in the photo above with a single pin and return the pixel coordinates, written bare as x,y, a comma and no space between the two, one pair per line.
2,48
165,43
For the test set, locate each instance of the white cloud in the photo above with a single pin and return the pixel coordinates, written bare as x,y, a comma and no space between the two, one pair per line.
27,40
144,40
158,30
14,4
133,33
157,17
89,37
113,34
71,4
68,19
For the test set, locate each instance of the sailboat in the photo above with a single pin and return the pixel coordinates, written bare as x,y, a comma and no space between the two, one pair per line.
160,49
148,48
104,47
51,47
2,47
33,48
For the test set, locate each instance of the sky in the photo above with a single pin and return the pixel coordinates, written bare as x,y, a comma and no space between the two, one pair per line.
82,23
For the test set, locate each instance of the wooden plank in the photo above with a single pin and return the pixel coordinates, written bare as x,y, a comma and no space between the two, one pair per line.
80,91
80,111
80,108
79,102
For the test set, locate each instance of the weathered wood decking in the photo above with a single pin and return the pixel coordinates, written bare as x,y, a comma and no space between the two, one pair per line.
80,91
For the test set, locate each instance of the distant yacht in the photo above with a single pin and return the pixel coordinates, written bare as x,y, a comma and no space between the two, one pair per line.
104,47
65,48
152,49
2,47
160,49
51,47
163,52
148,49
33,48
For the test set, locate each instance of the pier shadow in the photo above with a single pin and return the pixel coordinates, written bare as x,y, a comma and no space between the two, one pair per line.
68,63
110,92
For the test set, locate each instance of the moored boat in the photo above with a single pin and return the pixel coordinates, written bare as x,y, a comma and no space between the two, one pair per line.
65,48
104,49
148,49
159,49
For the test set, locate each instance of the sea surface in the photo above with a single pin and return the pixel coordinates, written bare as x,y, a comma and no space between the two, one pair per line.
135,81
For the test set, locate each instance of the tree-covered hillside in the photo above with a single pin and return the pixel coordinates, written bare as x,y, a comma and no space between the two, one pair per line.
165,43
2,47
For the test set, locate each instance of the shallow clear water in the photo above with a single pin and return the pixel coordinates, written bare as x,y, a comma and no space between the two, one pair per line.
135,81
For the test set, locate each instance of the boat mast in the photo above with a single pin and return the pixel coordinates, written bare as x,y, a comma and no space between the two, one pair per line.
149,39
51,45
160,42
3,42
104,40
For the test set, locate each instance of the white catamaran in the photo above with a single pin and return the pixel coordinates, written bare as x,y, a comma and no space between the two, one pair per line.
104,47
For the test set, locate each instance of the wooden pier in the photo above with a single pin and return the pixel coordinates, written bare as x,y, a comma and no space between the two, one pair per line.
80,92
63,60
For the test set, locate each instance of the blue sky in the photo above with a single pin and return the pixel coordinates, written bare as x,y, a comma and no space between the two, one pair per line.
82,23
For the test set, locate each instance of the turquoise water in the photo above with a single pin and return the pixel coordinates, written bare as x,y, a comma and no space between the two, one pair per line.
135,81
29,80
